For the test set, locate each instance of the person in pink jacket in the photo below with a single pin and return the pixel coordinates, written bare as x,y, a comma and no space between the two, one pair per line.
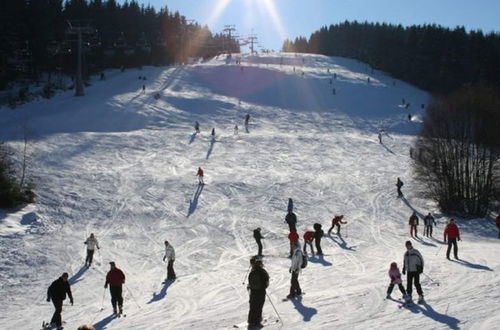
395,276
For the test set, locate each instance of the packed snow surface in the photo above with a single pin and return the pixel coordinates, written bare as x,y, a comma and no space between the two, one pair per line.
122,165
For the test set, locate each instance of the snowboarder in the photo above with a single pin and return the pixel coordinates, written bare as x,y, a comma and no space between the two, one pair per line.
395,276
115,278
290,205
170,256
91,243
295,269
258,236
197,126
428,222
247,119
399,184
413,222
291,219
318,234
293,237
414,264
57,293
199,174
498,224
451,233
336,221
258,281
308,238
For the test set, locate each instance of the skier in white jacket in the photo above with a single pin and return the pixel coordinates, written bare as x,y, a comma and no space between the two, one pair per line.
414,265
91,243
170,257
295,269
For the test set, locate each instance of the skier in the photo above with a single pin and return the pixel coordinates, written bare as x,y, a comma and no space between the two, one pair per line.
258,281
293,237
143,89
235,129
213,133
57,293
199,174
428,221
290,205
336,221
318,233
247,119
451,233
498,224
395,276
170,256
295,269
291,219
409,117
91,243
380,138
115,278
413,222
308,238
197,126
399,184
258,236
414,264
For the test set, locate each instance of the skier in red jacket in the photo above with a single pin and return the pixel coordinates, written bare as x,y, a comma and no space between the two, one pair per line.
199,174
336,221
293,237
308,239
115,278
452,233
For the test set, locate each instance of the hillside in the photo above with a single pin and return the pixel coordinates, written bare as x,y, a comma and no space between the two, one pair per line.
122,165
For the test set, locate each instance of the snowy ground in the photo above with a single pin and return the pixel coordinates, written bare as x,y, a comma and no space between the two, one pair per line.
122,165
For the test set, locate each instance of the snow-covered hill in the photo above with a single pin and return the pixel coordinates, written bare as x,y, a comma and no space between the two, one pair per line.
122,165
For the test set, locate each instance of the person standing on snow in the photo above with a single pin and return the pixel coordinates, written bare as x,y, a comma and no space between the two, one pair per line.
199,174
197,126
336,221
308,238
399,184
395,276
91,243
258,281
115,278
291,220
170,256
318,234
413,222
428,222
295,269
258,236
235,129
414,265
293,237
213,133
57,293
290,205
452,233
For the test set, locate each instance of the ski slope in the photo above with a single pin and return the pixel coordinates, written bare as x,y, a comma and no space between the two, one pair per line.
122,165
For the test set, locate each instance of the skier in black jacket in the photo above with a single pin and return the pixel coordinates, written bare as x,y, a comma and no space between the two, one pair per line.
258,236
57,293
291,219
258,281
318,234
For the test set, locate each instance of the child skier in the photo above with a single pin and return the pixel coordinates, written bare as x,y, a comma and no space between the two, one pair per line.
336,221
395,276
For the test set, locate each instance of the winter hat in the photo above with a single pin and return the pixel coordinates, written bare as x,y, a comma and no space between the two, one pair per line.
394,265
65,275
255,261
112,263
408,243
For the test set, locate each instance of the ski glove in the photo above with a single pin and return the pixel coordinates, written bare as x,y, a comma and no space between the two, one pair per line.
404,271
106,285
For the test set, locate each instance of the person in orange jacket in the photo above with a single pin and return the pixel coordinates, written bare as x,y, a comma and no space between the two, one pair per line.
308,239
451,234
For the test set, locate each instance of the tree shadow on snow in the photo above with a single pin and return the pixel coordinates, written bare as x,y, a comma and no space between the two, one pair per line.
307,312
319,259
342,243
450,321
76,277
104,322
420,215
163,292
193,203
471,265
192,137
211,147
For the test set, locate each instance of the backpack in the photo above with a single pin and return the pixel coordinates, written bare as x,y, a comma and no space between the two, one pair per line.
304,260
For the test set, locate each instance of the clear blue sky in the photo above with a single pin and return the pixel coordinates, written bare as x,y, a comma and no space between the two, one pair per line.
274,20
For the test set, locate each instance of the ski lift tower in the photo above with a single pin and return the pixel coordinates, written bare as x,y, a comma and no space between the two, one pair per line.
252,39
79,27
228,29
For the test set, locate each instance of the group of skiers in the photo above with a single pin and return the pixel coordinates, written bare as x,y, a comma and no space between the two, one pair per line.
115,279
247,120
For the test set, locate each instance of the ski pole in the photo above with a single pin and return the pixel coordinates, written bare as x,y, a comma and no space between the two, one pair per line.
278,314
437,283
248,271
132,296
